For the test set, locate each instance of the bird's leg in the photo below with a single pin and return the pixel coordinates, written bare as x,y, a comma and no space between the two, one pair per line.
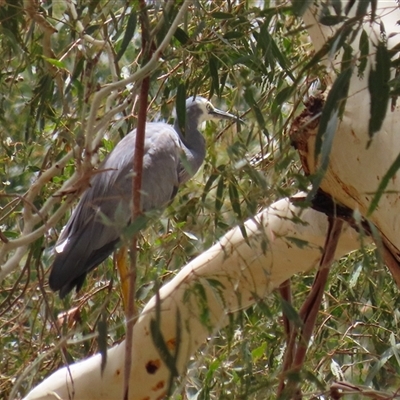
120,260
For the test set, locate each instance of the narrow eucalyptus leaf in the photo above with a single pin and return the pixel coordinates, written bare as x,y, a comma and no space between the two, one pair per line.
248,95
233,35
326,148
379,89
136,226
55,62
384,182
214,64
129,32
280,57
362,7
300,6
364,50
162,347
221,15
347,57
336,99
284,94
219,198
337,6
234,197
290,313
208,185
181,36
102,340
330,20
181,107
374,4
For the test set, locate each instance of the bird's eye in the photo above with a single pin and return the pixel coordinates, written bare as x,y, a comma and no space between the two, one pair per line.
209,107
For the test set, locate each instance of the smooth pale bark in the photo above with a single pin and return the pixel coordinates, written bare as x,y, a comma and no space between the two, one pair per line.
232,275
355,171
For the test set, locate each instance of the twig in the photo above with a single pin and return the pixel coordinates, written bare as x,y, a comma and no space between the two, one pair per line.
309,310
136,194
297,349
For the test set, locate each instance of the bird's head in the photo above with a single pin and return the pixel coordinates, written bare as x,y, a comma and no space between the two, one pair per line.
200,109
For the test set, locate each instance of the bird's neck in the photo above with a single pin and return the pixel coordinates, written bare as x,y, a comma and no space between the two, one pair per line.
194,144
191,137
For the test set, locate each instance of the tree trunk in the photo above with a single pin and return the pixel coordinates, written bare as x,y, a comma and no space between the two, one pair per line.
358,164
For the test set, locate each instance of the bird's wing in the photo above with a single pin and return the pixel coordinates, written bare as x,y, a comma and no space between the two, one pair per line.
95,226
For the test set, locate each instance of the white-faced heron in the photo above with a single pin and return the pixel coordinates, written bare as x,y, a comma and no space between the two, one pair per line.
104,210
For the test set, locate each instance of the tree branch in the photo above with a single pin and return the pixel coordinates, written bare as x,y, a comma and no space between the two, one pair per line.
233,274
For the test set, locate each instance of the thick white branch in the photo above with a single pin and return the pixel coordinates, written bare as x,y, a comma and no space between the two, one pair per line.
356,170
232,275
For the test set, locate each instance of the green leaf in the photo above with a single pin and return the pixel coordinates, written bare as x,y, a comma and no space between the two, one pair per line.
92,6
333,108
219,197
133,228
374,4
379,89
284,94
218,289
55,62
213,177
259,352
364,51
335,101
291,313
299,7
362,8
347,57
330,20
337,6
214,65
180,107
235,202
300,243
248,96
102,339
234,197
89,30
349,6
281,58
330,47
222,15
129,32
162,347
181,36
10,234
233,35
382,360
384,182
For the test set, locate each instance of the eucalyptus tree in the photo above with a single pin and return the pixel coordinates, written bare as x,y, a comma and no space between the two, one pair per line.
72,78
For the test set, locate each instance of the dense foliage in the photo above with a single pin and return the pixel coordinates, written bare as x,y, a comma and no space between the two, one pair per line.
246,56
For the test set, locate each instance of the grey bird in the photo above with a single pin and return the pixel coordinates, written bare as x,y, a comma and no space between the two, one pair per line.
104,210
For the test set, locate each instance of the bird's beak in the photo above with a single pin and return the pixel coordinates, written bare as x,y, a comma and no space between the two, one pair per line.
219,114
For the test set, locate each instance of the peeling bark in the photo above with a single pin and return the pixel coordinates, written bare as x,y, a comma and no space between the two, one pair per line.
357,166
